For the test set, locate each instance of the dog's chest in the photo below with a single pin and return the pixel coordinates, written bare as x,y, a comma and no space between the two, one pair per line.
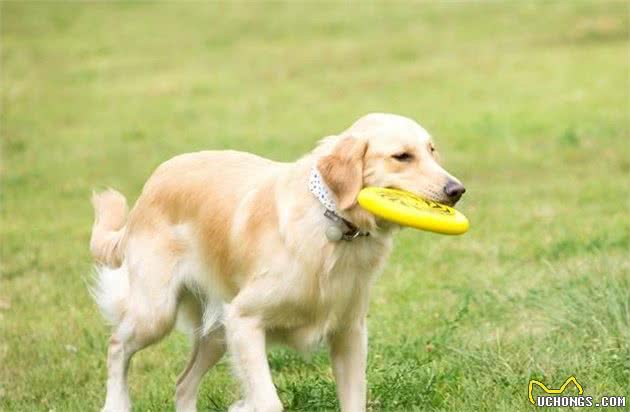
333,296
317,315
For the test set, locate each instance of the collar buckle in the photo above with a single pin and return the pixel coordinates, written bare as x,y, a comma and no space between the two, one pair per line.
352,231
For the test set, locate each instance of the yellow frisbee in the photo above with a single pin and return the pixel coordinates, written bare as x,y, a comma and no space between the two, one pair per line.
407,209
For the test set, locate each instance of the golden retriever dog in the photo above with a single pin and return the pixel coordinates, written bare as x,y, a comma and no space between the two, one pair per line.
243,252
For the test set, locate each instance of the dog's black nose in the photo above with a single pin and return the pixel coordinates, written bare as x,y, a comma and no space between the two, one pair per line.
454,190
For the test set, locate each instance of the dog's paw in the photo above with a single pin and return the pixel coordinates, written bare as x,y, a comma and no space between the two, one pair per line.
240,406
243,406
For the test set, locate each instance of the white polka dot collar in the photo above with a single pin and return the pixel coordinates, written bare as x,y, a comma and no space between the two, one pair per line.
318,188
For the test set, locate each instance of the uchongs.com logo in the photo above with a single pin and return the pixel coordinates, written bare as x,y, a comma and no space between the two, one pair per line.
555,397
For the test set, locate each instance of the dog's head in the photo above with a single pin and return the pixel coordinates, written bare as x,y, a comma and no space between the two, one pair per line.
386,150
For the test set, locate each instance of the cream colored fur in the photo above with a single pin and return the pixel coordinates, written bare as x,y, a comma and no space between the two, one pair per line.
232,246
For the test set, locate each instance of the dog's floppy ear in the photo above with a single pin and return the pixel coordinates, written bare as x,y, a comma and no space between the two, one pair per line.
342,170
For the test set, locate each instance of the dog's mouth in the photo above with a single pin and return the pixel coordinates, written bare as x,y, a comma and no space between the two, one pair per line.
429,195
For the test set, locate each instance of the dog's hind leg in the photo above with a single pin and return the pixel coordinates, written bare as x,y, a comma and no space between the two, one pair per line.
206,352
134,333
148,314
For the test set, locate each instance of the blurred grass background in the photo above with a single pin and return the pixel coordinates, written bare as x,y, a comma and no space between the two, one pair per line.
528,103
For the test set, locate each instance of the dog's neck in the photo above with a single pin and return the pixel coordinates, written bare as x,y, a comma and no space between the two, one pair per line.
341,228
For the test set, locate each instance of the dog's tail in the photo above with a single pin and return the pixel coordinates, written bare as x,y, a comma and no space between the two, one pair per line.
110,209
111,285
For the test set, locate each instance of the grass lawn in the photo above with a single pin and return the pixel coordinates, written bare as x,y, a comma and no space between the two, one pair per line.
528,103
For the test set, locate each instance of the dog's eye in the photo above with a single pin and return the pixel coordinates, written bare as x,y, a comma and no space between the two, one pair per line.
432,150
403,157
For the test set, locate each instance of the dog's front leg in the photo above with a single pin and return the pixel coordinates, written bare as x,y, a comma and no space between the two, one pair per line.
247,345
348,349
